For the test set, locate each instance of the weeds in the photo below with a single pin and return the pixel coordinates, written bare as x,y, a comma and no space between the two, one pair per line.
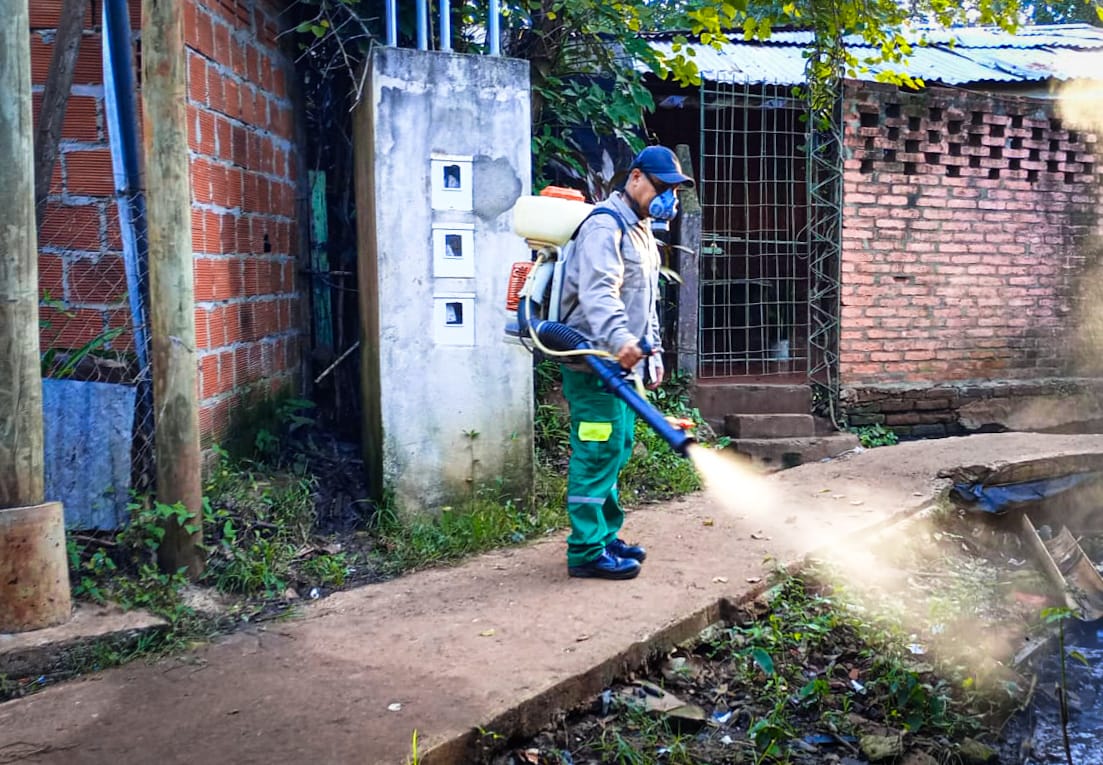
483,522
870,436
258,528
801,657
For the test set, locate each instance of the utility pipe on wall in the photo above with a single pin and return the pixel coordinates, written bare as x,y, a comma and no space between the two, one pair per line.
423,24
445,25
392,23
122,124
492,30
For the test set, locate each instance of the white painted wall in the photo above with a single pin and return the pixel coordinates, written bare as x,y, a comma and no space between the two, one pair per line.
429,386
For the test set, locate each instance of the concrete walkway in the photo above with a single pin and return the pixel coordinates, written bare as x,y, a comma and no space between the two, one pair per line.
497,643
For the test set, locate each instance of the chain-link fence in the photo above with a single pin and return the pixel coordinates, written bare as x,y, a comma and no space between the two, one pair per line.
94,340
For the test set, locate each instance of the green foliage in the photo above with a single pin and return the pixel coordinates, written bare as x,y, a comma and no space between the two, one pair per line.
1066,12
813,627
655,471
60,363
261,428
256,523
125,570
588,58
652,741
870,436
329,570
552,420
481,523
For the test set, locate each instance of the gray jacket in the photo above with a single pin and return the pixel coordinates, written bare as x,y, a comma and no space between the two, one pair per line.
611,287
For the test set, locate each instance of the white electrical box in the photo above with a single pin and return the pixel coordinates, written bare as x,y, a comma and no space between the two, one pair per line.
454,319
451,181
454,251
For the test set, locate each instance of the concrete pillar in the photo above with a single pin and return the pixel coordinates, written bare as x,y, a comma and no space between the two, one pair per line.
443,153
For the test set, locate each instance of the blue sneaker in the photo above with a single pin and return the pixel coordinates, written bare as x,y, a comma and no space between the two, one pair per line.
622,549
606,566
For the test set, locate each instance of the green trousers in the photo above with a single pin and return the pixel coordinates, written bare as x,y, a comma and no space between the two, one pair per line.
602,434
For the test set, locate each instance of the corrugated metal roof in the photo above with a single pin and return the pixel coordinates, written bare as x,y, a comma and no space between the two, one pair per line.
953,57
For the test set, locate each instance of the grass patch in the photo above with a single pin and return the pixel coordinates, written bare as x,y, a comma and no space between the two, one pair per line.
258,527
481,523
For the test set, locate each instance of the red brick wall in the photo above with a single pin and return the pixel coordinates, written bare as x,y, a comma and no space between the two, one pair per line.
81,277
242,149
243,221
963,224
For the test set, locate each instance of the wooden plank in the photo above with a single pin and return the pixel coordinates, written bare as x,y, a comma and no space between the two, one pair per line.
689,238
1068,568
319,262
55,96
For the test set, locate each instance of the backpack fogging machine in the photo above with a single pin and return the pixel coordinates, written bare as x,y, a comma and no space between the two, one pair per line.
548,223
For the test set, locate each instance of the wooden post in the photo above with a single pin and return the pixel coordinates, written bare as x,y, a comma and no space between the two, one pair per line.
171,279
689,268
34,578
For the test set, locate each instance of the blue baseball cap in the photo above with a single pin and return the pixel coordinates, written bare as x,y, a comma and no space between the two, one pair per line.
660,162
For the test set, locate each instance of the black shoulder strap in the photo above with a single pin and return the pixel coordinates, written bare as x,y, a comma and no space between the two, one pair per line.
623,232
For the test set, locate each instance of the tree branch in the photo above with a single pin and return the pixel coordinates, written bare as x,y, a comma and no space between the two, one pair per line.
55,98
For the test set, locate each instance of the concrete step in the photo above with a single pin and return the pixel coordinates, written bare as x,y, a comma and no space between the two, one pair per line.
723,398
780,453
769,425
716,401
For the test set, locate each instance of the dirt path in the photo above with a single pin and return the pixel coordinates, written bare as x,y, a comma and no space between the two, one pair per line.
498,642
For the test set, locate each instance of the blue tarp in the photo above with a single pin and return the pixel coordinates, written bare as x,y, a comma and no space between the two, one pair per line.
999,499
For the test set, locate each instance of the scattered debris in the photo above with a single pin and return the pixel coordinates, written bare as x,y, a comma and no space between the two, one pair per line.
794,680
1068,568
879,748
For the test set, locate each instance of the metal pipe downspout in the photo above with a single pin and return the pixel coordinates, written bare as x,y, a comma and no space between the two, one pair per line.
423,24
392,23
493,31
122,123
445,25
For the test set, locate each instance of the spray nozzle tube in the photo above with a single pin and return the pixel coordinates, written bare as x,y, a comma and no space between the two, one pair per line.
560,337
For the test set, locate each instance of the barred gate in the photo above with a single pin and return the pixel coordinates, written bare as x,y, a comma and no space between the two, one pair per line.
769,206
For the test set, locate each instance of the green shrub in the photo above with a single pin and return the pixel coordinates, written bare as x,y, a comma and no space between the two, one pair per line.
874,435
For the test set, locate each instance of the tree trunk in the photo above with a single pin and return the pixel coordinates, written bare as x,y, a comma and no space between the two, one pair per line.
171,280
